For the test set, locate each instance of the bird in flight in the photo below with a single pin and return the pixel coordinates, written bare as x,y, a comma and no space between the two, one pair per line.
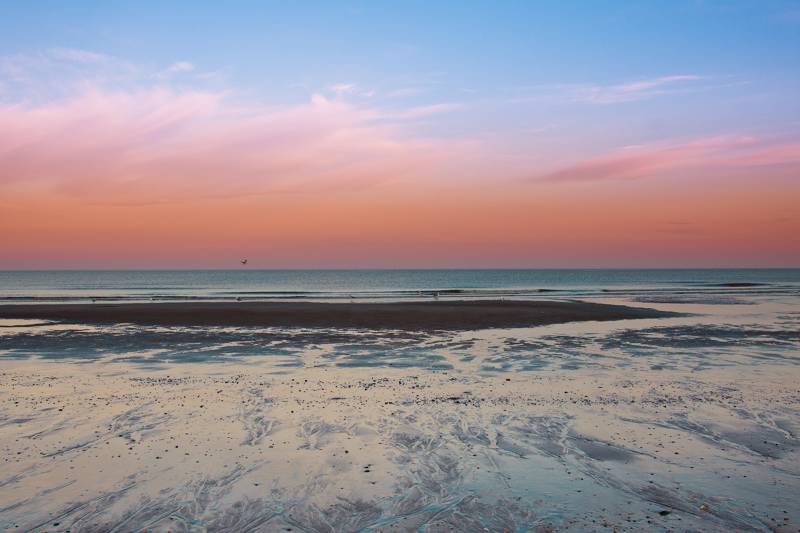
243,261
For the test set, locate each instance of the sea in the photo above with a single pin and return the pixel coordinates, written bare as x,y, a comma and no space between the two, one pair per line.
387,285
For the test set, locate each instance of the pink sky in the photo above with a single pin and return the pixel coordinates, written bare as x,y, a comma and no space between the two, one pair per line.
190,179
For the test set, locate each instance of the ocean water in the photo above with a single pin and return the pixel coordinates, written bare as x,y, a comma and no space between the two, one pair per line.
246,284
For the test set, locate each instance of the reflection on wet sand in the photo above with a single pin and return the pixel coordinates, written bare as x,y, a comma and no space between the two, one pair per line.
682,423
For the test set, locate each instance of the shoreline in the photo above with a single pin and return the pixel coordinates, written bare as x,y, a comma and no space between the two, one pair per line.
450,315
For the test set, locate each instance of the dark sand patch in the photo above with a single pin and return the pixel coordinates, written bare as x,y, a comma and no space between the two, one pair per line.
459,315
739,284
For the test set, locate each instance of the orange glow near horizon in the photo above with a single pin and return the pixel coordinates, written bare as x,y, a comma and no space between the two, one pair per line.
518,226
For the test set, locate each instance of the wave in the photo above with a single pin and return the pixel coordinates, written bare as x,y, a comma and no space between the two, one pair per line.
717,290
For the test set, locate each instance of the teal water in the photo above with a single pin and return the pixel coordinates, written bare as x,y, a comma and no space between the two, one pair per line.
74,285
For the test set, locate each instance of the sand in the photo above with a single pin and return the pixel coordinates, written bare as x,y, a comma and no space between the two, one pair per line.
450,315
690,422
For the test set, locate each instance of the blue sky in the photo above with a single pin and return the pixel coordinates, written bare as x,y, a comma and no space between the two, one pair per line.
503,59
487,47
625,98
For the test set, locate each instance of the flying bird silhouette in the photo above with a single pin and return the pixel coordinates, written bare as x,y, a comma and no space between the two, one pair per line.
243,261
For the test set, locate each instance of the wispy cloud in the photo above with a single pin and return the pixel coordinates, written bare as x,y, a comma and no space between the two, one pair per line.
349,89
181,66
342,88
420,111
77,55
175,69
147,137
632,91
596,93
643,85
155,145
58,71
643,161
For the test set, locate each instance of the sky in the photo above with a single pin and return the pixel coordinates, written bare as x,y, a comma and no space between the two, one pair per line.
400,134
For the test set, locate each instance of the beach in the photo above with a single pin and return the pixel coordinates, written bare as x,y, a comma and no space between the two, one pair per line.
400,267
451,415
348,451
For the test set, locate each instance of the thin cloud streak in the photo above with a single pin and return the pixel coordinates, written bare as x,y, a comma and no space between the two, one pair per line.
618,93
632,91
643,161
77,55
181,66
643,85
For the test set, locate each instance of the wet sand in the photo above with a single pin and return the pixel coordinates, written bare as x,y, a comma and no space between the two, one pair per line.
332,452
444,315
689,422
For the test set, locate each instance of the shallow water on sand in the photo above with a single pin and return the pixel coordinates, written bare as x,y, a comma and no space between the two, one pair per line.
686,423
